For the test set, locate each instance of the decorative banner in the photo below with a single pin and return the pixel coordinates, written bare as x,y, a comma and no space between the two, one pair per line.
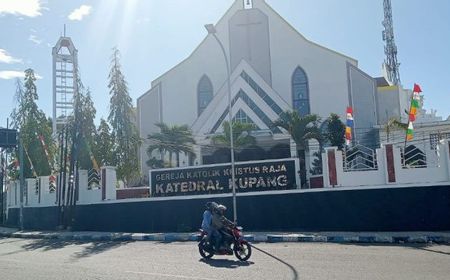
52,183
415,100
47,154
216,179
410,132
349,125
31,163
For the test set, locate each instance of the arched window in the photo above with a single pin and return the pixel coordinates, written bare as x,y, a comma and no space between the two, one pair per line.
300,92
204,93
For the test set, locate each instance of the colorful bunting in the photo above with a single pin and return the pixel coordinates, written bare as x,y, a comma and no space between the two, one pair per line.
410,132
349,125
415,104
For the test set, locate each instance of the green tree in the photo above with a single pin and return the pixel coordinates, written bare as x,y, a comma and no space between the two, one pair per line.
33,124
171,140
87,129
241,136
16,118
122,120
104,145
301,129
335,131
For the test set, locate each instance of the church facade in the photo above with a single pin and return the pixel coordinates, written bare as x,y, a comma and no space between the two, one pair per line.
273,69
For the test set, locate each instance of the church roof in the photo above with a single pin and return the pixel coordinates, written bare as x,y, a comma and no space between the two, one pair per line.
237,5
250,94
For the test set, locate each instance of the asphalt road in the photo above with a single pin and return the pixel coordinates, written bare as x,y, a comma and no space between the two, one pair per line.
48,259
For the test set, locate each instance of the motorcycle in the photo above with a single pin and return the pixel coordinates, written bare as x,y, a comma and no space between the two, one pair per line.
241,247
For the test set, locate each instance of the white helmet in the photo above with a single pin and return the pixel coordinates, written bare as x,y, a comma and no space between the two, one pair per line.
222,208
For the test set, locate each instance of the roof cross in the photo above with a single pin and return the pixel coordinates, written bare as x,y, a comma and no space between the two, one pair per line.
248,4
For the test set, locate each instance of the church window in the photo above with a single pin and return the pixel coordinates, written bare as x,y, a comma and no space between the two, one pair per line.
242,117
204,93
300,92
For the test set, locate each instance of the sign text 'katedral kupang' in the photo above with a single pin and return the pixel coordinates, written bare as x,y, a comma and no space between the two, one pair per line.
216,179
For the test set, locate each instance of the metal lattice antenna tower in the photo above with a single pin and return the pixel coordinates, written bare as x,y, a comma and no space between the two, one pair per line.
65,77
390,63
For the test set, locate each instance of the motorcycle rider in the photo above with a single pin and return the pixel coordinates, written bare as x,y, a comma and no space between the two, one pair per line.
219,223
212,234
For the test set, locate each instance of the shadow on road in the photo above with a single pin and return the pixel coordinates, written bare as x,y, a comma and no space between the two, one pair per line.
95,248
293,270
225,263
87,248
416,246
433,251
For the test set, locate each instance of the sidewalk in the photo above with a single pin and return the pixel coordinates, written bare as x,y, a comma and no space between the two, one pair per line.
271,237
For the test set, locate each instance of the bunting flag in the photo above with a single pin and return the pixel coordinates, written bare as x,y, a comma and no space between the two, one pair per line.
415,100
31,163
414,103
349,126
410,132
42,140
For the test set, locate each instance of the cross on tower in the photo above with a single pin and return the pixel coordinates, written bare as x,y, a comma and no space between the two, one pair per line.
248,4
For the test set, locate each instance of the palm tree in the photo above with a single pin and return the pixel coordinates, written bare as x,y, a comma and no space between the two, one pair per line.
301,129
394,123
174,139
241,135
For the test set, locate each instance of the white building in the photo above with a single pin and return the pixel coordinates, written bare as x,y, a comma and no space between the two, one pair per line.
273,68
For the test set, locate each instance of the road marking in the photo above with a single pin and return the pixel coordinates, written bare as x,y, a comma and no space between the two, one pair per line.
169,275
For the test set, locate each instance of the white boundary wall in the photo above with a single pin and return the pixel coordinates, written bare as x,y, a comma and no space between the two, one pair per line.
437,170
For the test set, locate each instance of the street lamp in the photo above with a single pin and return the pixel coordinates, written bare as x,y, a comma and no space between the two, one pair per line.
212,31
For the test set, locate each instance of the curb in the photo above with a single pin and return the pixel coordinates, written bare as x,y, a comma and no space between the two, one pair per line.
269,238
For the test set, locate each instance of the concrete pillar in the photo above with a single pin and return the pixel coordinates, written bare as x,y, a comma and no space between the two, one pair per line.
330,155
109,182
83,191
445,155
389,164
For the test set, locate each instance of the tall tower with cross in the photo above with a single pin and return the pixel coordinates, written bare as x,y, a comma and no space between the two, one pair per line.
65,77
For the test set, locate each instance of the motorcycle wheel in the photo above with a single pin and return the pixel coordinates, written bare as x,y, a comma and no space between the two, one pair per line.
201,249
242,251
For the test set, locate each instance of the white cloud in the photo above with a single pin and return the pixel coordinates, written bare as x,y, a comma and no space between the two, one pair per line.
6,58
11,74
80,13
29,8
35,39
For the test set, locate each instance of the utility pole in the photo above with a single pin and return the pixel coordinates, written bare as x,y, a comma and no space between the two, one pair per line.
22,180
391,64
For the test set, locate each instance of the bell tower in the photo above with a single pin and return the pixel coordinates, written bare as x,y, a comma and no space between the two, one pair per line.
65,77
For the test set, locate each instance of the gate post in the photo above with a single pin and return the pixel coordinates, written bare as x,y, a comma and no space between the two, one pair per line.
330,175
389,164
109,182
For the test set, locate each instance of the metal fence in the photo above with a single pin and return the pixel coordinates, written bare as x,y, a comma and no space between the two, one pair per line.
359,158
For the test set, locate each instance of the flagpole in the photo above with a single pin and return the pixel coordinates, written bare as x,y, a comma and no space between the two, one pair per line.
409,121
415,92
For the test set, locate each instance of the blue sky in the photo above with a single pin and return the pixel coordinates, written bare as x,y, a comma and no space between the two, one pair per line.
154,35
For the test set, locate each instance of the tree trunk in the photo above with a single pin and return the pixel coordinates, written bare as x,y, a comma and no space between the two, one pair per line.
302,159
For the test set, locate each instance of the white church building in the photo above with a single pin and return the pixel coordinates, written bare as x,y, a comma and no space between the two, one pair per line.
274,68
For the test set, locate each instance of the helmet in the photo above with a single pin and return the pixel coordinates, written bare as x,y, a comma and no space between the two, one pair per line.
221,208
211,205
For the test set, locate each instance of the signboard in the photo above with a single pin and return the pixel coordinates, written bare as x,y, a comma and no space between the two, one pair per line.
252,176
8,138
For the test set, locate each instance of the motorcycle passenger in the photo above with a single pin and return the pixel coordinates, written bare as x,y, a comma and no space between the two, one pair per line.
212,233
220,222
